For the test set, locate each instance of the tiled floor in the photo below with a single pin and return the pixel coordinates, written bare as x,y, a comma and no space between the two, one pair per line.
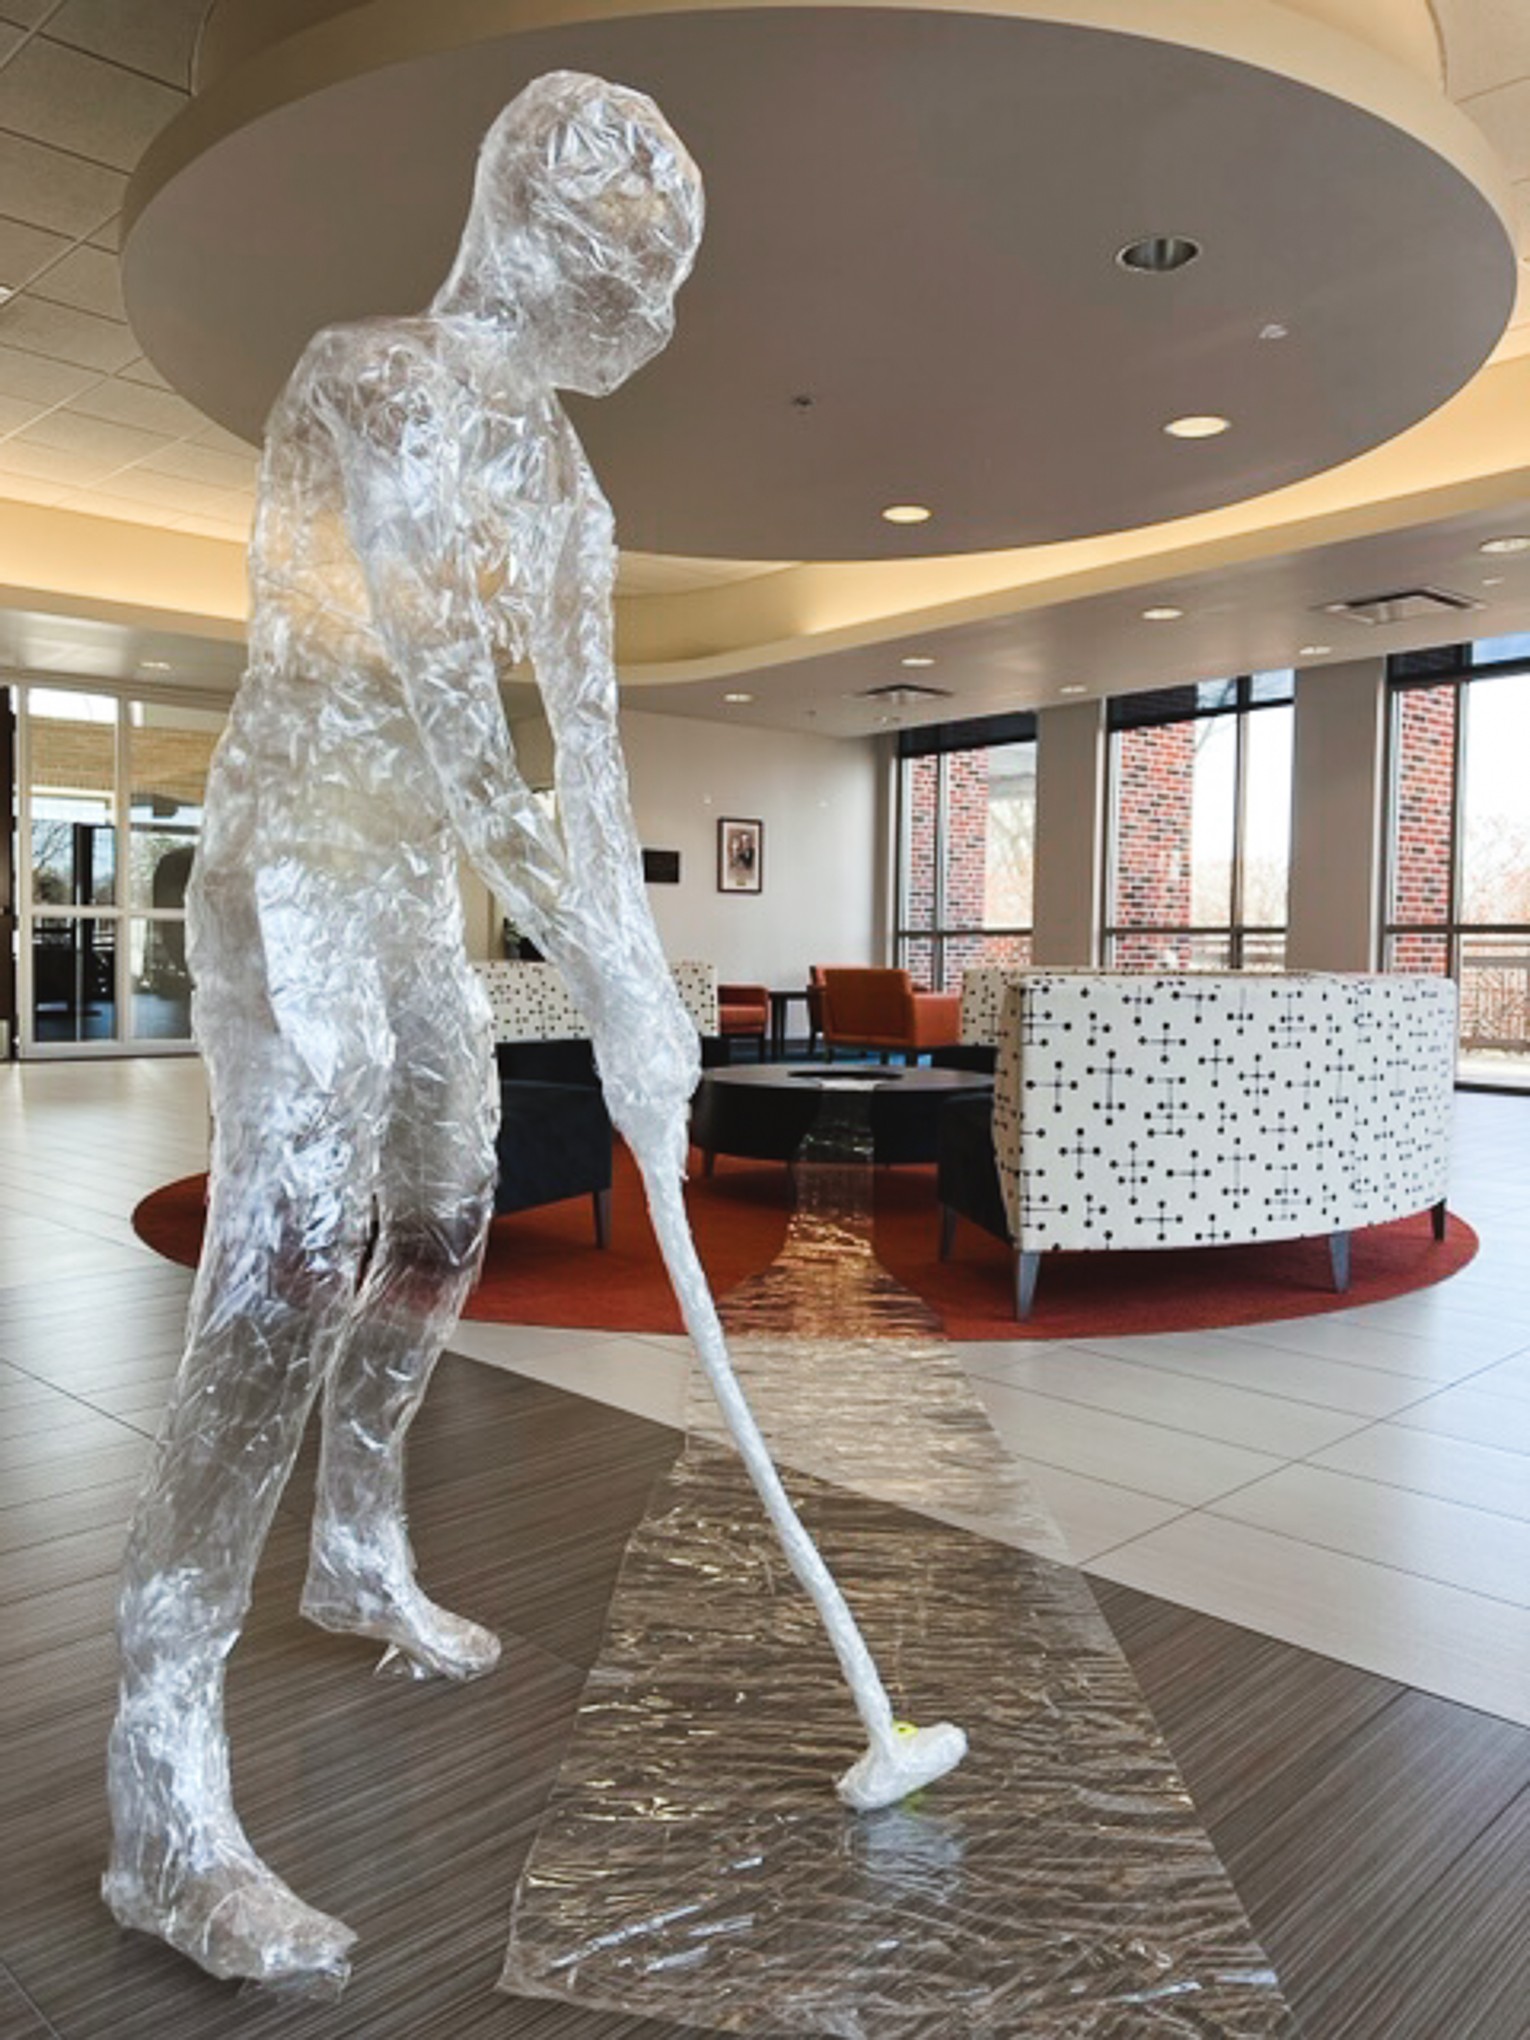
1356,1483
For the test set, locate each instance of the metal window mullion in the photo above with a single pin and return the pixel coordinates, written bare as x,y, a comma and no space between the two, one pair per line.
1239,816
120,887
25,1007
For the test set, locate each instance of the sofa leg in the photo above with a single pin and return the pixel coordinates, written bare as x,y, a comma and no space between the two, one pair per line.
1027,1268
1338,1254
1438,1215
602,1200
947,1230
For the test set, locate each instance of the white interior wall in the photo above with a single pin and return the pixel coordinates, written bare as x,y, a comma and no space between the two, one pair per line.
823,801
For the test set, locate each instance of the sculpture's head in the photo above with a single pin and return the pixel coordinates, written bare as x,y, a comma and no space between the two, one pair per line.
585,221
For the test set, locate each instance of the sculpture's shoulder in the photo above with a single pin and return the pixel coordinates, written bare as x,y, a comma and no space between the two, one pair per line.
381,382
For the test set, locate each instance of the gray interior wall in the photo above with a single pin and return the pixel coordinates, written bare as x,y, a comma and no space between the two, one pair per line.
1070,796
1336,825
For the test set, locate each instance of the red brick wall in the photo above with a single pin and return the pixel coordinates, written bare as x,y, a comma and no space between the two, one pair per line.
966,838
1154,778
1422,791
920,785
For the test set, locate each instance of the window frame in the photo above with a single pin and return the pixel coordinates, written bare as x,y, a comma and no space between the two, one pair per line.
1454,666
942,741
1176,705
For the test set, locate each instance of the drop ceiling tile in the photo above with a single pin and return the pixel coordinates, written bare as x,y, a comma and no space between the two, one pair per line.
208,464
22,489
1522,210
109,234
47,188
27,12
46,463
109,446
1503,116
94,504
78,102
10,36
142,370
89,279
66,334
168,492
24,250
209,434
16,412
157,36
39,380
129,403
1487,43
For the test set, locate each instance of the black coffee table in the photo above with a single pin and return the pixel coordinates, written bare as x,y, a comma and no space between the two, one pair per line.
763,1110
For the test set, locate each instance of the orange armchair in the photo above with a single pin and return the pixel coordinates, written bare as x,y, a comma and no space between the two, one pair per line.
876,1008
743,1010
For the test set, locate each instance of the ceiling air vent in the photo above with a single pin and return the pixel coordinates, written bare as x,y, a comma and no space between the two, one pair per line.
903,694
1406,605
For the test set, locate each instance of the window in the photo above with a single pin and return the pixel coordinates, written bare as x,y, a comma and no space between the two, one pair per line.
110,799
967,832
1199,850
1458,842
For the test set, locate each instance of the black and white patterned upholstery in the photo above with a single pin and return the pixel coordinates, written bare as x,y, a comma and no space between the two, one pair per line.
531,1003
983,992
1202,1109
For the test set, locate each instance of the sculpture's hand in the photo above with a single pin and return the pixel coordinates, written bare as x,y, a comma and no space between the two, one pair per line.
650,1065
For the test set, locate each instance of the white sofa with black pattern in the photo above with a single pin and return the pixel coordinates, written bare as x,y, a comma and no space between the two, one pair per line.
1205,1109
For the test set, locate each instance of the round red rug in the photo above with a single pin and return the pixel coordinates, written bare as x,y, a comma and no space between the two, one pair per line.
543,1267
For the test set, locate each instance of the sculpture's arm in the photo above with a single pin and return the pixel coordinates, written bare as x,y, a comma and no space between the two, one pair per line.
609,951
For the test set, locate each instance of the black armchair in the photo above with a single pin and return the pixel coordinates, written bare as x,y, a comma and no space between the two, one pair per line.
554,1142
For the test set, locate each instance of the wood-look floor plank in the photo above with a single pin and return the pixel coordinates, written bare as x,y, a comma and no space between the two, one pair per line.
1362,1824
19,2017
1377,1838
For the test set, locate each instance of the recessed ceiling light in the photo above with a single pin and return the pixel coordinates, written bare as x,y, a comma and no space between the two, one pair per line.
1313,651
6,291
1163,612
1199,425
907,513
1158,254
1492,580
1515,542
1273,329
154,666
1075,688
738,696
917,659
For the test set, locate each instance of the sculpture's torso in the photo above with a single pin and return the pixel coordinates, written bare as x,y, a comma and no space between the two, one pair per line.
323,777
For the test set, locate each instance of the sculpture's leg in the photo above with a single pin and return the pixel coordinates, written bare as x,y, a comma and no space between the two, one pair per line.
285,1233
435,1199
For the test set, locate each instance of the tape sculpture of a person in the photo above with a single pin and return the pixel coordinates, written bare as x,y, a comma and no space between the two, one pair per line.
426,518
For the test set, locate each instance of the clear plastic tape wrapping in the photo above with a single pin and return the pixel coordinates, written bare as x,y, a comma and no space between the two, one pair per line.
426,518
1058,1883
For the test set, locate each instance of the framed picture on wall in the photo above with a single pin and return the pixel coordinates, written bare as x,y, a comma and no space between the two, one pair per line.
740,855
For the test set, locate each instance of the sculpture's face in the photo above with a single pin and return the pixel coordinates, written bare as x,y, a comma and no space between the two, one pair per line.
593,210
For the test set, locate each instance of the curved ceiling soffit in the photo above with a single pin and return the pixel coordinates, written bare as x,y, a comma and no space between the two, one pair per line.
384,34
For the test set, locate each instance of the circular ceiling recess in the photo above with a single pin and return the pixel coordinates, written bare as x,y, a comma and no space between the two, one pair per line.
914,219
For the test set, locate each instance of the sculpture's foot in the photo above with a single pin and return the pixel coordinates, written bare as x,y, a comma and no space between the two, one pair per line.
436,1642
916,1757
235,1917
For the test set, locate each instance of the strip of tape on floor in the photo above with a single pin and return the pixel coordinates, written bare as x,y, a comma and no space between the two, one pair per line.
694,1865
